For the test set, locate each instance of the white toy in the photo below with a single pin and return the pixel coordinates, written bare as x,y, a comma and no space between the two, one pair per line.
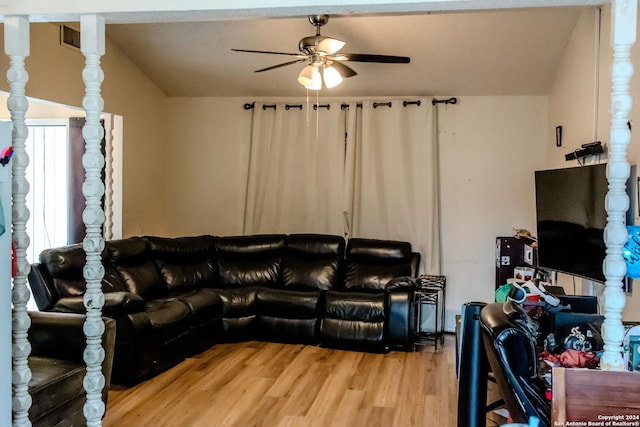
529,288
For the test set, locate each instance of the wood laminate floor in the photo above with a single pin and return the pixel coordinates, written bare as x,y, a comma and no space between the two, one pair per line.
278,385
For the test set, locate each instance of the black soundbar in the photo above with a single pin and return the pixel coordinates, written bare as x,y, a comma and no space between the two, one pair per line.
586,150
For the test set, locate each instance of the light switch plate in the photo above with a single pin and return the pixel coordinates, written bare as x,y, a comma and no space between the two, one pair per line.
528,254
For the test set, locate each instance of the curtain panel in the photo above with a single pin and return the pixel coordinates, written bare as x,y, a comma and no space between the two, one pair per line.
359,169
395,176
296,170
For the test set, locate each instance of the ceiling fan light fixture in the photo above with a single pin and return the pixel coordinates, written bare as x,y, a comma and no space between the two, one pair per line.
329,45
320,45
310,78
331,76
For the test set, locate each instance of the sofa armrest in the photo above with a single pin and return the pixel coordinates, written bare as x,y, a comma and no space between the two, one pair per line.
401,312
61,335
406,283
401,318
41,285
115,304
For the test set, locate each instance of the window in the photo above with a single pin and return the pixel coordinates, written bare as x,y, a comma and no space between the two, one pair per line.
48,175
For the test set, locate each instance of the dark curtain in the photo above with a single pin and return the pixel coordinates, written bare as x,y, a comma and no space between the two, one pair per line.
77,201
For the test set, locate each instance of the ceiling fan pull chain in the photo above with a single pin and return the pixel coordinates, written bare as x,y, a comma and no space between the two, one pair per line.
307,107
317,118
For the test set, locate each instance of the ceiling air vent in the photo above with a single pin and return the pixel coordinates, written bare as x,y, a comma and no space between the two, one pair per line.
69,37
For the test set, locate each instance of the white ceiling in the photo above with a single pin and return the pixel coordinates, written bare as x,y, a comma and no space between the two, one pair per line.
506,52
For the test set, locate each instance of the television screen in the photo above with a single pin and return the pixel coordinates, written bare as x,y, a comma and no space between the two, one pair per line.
571,218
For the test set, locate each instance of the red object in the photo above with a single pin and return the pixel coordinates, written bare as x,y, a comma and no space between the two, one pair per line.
14,261
573,359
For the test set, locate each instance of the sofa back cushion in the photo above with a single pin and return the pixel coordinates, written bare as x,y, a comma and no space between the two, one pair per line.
184,262
371,263
131,259
313,261
65,264
249,260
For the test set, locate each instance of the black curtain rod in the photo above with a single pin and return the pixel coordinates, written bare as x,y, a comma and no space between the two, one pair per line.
444,101
453,100
382,104
346,106
252,105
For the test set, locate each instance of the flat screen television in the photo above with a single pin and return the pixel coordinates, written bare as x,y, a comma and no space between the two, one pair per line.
571,217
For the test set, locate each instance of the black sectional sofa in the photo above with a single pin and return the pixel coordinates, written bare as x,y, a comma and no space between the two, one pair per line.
173,297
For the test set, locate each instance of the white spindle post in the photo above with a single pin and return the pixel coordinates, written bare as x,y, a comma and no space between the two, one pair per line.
92,45
16,36
623,13
16,33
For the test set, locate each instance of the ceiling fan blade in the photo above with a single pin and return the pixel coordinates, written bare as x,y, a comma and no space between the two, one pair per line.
343,69
280,65
364,57
269,52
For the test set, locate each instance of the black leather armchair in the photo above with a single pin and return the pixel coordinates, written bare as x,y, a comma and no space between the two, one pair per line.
58,369
510,349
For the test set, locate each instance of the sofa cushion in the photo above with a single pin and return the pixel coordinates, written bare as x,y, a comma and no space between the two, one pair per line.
54,384
204,304
348,333
353,318
249,260
184,262
368,307
288,304
287,315
169,319
130,258
372,263
313,261
65,266
238,302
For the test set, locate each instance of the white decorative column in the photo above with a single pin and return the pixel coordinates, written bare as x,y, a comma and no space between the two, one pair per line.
16,41
623,27
92,43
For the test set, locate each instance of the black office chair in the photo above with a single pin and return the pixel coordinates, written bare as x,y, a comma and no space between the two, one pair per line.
511,351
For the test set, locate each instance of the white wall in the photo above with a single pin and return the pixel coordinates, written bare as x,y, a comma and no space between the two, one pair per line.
209,146
572,101
489,148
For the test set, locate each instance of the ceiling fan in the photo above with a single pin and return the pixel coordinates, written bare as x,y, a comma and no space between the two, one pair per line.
324,63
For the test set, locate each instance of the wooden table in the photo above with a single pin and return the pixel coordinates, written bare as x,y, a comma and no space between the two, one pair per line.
595,396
